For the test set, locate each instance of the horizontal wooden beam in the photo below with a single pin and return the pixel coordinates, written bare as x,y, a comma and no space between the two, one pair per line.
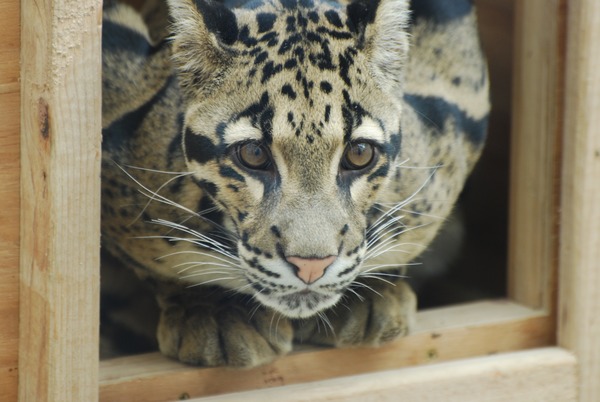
547,375
443,334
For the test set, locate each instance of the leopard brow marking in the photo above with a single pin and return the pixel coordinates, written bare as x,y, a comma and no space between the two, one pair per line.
241,131
369,130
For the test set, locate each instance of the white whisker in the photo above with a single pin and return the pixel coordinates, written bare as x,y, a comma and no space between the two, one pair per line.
197,253
364,285
212,281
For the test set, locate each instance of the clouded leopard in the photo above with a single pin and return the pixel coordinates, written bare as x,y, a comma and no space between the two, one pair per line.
271,167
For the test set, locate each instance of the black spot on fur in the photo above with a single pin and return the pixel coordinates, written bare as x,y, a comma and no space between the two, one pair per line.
349,269
289,4
219,20
245,38
290,64
344,230
334,34
272,38
289,91
276,232
266,125
333,18
261,57
290,23
269,70
288,44
265,21
344,69
255,264
326,87
360,14
348,123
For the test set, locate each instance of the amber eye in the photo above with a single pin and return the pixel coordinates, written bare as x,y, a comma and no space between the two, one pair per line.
253,155
358,155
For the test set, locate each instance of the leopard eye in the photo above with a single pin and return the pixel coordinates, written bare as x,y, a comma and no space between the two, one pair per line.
358,155
253,155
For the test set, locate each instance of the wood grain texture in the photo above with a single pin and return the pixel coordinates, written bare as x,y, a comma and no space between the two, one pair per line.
9,245
9,198
9,46
443,334
535,151
543,375
579,317
60,196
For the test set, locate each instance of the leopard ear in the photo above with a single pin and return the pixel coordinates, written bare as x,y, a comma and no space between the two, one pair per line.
381,30
201,33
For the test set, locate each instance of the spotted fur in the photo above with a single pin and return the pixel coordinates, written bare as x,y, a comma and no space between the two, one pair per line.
304,80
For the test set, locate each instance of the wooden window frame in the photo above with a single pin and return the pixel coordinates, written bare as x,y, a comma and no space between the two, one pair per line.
541,340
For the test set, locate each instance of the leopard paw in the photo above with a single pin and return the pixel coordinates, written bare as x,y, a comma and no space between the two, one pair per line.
232,334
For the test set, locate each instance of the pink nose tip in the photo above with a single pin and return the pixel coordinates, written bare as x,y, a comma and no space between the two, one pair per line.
310,269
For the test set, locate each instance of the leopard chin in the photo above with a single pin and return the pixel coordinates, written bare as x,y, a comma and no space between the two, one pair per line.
299,304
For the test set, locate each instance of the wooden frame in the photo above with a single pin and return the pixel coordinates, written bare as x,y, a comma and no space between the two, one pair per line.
555,166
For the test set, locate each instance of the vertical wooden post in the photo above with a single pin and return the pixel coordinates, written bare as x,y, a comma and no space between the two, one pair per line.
9,198
535,151
579,306
60,195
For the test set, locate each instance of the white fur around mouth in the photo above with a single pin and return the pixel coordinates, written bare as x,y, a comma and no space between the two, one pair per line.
302,304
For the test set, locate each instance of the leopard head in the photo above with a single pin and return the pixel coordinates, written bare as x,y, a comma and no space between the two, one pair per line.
292,127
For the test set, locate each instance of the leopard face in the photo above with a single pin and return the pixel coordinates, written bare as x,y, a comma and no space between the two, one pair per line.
293,128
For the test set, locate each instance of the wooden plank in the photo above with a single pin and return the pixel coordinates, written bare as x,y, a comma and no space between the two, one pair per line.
60,188
443,334
579,320
535,151
544,375
9,199
9,245
9,45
